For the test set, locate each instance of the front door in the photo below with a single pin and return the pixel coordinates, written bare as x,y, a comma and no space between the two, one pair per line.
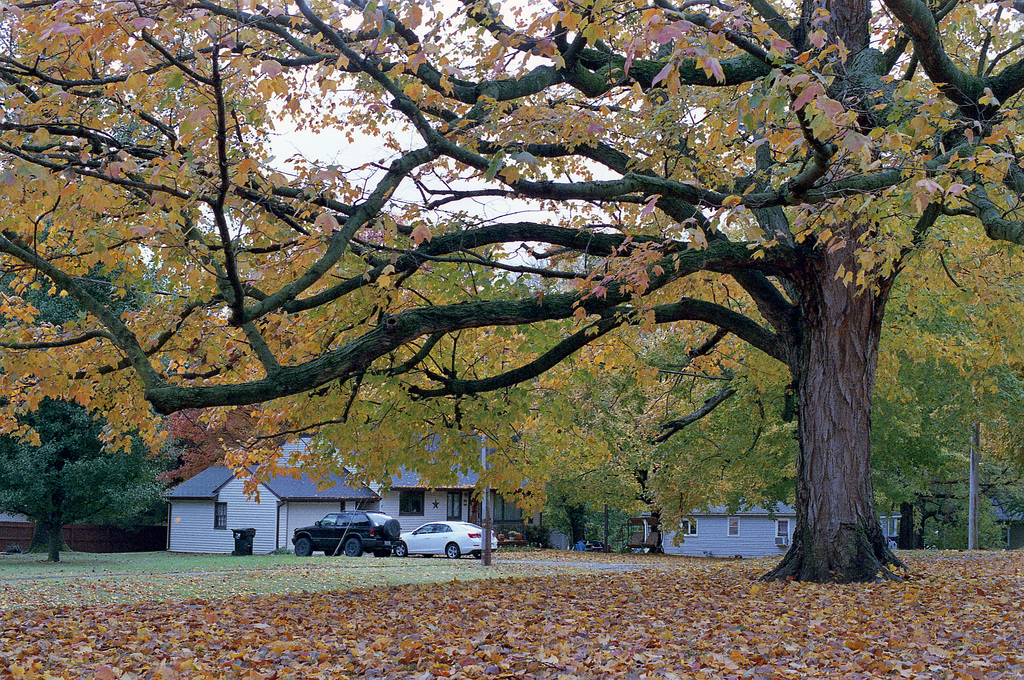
455,506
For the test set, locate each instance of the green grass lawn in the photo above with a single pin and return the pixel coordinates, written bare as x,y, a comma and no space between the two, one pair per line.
125,578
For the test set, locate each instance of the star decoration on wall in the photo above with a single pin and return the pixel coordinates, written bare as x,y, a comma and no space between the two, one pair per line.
435,503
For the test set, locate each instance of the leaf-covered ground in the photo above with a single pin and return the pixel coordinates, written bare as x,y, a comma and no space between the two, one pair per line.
957,617
87,578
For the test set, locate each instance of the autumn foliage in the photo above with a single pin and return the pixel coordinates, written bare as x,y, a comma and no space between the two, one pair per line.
200,443
671,619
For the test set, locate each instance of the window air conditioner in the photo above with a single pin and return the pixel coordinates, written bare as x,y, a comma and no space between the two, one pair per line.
781,540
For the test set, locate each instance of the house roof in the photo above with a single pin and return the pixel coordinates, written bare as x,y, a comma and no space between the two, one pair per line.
1008,510
305,489
208,483
203,486
779,510
407,479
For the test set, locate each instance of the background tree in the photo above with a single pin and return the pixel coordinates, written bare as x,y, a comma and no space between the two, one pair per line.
604,433
61,473
199,443
764,170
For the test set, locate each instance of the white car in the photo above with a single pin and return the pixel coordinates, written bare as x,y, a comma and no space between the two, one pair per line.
453,539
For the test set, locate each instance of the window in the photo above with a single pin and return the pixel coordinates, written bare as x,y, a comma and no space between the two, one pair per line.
506,511
734,526
690,527
455,505
783,528
410,502
341,506
220,515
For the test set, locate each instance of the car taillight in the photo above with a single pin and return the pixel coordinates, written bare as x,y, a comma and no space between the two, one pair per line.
473,535
373,531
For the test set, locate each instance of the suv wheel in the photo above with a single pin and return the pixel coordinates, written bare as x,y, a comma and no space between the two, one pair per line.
392,529
303,547
353,547
452,551
401,549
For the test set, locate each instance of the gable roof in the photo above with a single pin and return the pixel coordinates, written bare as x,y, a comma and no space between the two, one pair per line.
407,479
207,484
305,489
203,486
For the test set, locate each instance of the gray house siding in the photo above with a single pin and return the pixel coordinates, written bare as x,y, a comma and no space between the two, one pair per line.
757,530
192,521
755,538
389,505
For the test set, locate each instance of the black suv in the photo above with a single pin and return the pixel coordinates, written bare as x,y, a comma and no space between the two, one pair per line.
349,532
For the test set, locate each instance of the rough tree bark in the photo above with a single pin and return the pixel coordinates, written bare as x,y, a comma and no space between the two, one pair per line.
837,535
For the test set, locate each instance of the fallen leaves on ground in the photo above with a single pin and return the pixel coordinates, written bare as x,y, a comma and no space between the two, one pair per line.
956,618
72,583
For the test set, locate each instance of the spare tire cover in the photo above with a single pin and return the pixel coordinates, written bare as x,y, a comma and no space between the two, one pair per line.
393,529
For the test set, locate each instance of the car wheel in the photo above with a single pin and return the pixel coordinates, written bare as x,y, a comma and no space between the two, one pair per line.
452,551
401,549
303,547
353,547
392,529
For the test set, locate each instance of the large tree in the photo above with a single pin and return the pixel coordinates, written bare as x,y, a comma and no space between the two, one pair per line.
542,176
61,473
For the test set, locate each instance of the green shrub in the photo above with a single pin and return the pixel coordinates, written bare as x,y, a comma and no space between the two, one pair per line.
537,535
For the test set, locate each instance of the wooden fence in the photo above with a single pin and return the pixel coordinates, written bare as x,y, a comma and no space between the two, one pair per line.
93,538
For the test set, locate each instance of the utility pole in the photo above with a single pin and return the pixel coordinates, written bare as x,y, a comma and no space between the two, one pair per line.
486,509
972,497
607,548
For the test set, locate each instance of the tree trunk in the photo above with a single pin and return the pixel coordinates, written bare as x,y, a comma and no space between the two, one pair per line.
49,538
577,515
837,535
908,535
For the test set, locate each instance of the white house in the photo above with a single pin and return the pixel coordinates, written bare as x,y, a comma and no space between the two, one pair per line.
413,503
204,509
752,532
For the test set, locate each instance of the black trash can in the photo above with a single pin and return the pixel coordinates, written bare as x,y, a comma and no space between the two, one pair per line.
243,541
